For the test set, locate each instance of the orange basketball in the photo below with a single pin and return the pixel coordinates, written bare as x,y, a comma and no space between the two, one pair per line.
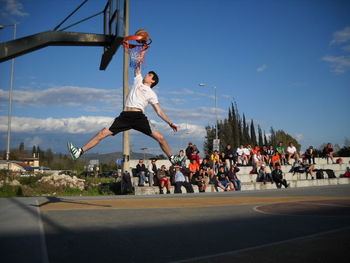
144,34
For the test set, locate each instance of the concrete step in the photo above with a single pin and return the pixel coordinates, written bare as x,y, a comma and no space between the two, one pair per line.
154,190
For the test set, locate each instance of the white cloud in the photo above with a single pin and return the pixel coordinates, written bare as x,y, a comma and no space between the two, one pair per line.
341,36
261,68
13,8
339,65
62,96
83,124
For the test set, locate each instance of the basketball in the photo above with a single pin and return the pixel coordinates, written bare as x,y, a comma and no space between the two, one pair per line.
144,34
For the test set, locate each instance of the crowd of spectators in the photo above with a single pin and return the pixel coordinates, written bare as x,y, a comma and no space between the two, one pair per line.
221,168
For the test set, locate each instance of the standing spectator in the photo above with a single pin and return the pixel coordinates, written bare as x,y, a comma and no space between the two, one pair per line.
180,180
164,179
230,156
199,180
141,172
223,181
232,176
277,176
189,150
152,171
282,153
310,154
292,153
328,152
181,158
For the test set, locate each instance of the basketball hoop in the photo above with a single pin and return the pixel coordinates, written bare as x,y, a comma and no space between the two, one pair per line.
136,46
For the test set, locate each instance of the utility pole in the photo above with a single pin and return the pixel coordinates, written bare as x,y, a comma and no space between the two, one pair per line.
126,143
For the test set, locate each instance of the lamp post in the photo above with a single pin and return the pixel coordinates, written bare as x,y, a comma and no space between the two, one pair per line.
10,98
216,115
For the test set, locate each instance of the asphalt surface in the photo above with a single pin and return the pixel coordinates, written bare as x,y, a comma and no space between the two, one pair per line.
301,224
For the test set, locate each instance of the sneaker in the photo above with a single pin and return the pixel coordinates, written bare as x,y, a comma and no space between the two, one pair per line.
75,152
173,159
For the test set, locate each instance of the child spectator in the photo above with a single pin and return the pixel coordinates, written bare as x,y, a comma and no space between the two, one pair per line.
194,169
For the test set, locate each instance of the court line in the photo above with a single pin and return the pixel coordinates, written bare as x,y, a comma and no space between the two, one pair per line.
256,209
44,254
233,252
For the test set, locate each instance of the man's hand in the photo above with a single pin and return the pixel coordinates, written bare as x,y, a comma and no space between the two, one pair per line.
173,126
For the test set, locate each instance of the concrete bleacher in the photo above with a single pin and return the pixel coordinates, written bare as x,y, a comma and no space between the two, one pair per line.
248,180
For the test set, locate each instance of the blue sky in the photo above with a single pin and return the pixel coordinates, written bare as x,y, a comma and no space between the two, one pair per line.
285,63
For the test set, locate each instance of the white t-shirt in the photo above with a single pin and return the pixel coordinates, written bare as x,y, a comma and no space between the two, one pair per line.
140,95
291,150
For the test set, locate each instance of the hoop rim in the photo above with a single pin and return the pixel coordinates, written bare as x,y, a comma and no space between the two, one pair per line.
134,37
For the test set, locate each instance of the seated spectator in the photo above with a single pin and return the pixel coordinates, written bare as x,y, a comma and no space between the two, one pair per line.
275,159
164,179
207,168
152,172
303,167
181,158
194,169
265,154
230,155
241,157
257,160
215,159
195,156
247,154
180,180
255,149
310,155
292,153
328,152
223,181
270,153
264,174
232,176
347,173
277,176
199,180
141,173
282,153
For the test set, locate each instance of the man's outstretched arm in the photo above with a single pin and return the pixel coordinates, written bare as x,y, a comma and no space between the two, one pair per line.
164,117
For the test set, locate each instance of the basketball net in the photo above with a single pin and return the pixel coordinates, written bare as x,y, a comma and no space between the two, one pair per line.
136,48
137,55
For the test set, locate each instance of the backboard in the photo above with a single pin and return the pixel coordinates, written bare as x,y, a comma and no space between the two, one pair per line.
113,25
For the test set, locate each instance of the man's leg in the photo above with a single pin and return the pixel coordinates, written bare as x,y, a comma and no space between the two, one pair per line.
96,139
162,143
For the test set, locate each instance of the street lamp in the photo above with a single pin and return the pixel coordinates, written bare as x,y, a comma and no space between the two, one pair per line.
216,115
10,98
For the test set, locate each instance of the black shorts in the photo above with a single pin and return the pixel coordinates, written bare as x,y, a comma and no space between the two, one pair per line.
127,120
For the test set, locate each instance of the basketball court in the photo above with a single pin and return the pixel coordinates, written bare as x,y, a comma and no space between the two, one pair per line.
302,224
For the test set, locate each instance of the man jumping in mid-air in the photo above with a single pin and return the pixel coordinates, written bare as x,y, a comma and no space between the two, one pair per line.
133,117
